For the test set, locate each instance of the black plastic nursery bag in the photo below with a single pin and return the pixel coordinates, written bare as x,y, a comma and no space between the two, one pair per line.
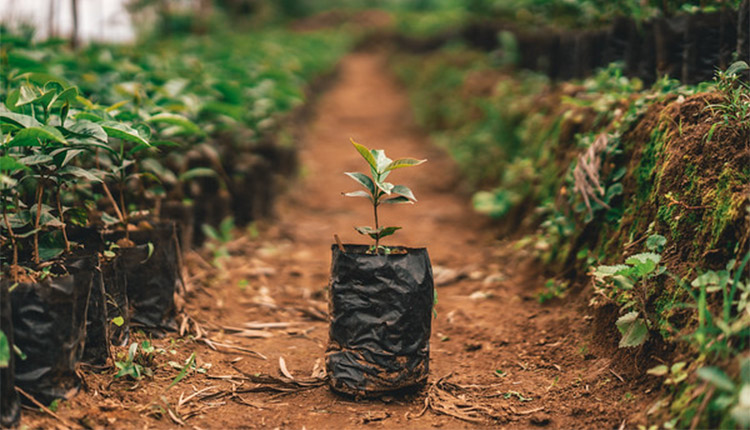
152,271
380,310
49,324
10,408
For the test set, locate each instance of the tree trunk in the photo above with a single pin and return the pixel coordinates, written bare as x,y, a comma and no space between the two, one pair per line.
74,36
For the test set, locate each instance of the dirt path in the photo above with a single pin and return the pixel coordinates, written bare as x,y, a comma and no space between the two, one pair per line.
518,363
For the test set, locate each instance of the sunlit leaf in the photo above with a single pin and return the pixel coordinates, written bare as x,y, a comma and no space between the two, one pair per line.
365,153
36,136
123,131
403,162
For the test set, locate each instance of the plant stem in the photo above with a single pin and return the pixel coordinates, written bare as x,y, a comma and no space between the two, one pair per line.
12,242
62,219
124,210
113,201
377,234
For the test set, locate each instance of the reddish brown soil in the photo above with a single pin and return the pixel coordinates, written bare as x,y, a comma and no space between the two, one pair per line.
523,363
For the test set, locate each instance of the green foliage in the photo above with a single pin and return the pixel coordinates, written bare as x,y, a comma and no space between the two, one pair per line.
733,399
114,124
4,350
218,240
735,109
627,285
137,362
726,333
553,289
379,192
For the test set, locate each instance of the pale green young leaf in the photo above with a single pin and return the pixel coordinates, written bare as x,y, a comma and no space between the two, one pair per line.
365,153
402,190
633,329
381,161
386,187
403,162
716,377
359,193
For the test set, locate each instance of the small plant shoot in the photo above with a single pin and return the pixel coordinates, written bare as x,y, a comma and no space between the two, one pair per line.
378,191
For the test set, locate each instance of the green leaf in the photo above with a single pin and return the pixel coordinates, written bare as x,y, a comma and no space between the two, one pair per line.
10,164
604,271
63,156
178,120
150,252
363,180
403,162
403,191
660,370
656,242
737,67
387,231
395,200
34,136
36,159
118,321
386,187
188,364
359,193
123,131
41,78
716,377
4,350
633,329
365,153
88,129
18,119
367,231
80,173
197,172
381,161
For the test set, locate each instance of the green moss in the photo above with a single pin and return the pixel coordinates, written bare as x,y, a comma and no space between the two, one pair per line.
726,203
645,172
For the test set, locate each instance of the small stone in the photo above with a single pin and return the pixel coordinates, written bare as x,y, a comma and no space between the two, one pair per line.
540,419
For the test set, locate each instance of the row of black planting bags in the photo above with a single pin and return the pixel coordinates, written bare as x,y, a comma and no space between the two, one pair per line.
91,298
688,47
83,303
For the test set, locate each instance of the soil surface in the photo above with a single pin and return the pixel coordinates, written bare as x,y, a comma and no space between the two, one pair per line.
499,358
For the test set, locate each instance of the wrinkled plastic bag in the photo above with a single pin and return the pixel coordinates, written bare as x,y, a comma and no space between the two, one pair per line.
381,316
10,407
49,326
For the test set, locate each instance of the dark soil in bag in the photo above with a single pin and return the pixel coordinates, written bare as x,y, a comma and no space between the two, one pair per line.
152,275
381,316
49,326
10,407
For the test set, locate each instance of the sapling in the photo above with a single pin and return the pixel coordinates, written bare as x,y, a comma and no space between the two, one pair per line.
378,191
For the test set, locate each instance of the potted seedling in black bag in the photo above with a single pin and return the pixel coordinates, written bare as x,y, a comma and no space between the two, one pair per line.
381,297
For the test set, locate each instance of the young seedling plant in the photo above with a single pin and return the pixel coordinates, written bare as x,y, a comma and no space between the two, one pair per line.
380,192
